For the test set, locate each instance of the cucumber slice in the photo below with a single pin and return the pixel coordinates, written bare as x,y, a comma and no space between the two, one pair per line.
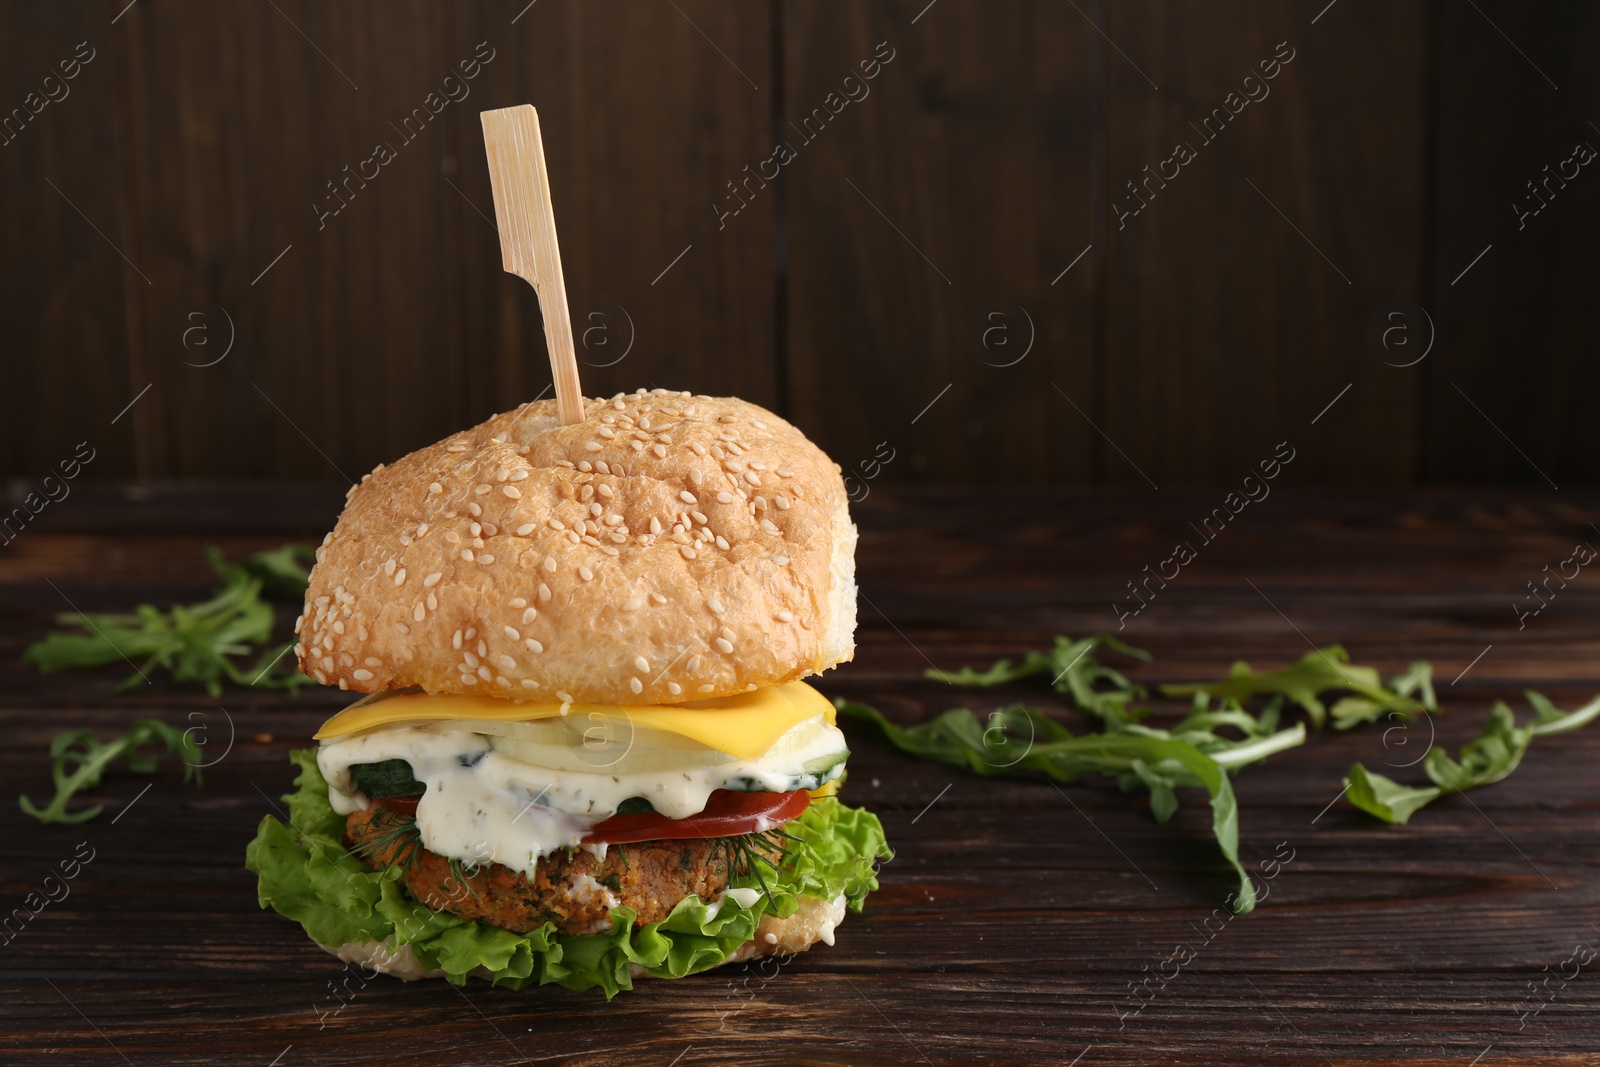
390,778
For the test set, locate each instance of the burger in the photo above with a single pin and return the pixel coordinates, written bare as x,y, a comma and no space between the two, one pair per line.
585,752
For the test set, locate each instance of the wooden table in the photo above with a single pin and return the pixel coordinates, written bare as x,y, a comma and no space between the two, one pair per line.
1013,925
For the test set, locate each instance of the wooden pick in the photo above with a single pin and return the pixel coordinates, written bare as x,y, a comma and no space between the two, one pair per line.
528,246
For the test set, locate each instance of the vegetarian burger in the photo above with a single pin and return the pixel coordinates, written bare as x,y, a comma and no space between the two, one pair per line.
587,753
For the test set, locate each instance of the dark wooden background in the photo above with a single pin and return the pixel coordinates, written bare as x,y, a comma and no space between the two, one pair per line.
851,292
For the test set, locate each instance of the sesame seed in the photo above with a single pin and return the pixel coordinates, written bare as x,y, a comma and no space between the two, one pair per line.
708,688
635,685
482,489
472,631
503,475
606,432
660,451
433,602
467,679
596,510
605,491
529,683
518,476
549,564
688,497
400,576
506,662
486,559
752,477
435,488
456,446
474,509
726,418
642,663
362,675
674,688
402,627
511,491
502,681
600,465
388,566
694,663
785,616
455,639
338,627
452,537
585,466
533,646
419,612
564,696
529,615
585,573
633,603
757,465
715,605
698,448
780,560
782,502
722,542
544,592
466,554
470,660
784,472
698,517
592,446
485,673
724,497
657,598
687,550
476,528
655,525
758,424
768,526
511,632
518,602
557,524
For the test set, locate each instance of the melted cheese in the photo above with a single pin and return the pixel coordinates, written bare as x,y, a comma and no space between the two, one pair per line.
744,726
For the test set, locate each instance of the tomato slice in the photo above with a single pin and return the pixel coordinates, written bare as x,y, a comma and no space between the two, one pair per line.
728,813
403,805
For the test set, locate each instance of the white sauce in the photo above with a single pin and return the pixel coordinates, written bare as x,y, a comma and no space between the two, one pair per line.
482,806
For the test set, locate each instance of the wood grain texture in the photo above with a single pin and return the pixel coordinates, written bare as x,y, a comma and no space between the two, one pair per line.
927,228
1238,298
63,305
1518,327
645,109
1010,926
242,124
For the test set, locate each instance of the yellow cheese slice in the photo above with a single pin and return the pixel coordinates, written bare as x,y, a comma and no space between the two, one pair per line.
744,725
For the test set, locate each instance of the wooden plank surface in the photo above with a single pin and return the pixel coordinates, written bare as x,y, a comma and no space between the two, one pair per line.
1243,270
1010,927
65,298
647,110
931,214
1493,409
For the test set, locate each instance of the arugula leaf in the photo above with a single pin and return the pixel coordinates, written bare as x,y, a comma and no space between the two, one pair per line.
1074,671
196,643
1486,759
1316,673
1019,739
89,758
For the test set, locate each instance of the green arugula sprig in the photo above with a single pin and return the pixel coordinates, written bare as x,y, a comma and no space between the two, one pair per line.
80,761
1489,757
197,642
1019,739
1324,670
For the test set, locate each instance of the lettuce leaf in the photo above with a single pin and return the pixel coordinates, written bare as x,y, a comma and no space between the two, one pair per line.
304,873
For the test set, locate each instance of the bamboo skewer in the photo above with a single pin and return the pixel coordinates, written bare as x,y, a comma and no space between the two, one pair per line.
528,247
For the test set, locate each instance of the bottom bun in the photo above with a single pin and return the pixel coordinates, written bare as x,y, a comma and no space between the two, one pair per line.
814,920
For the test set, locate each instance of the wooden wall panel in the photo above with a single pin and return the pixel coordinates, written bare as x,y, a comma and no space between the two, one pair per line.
62,310
238,117
646,109
961,185
1227,330
1518,330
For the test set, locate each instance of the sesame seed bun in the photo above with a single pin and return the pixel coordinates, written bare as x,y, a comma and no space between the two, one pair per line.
668,548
